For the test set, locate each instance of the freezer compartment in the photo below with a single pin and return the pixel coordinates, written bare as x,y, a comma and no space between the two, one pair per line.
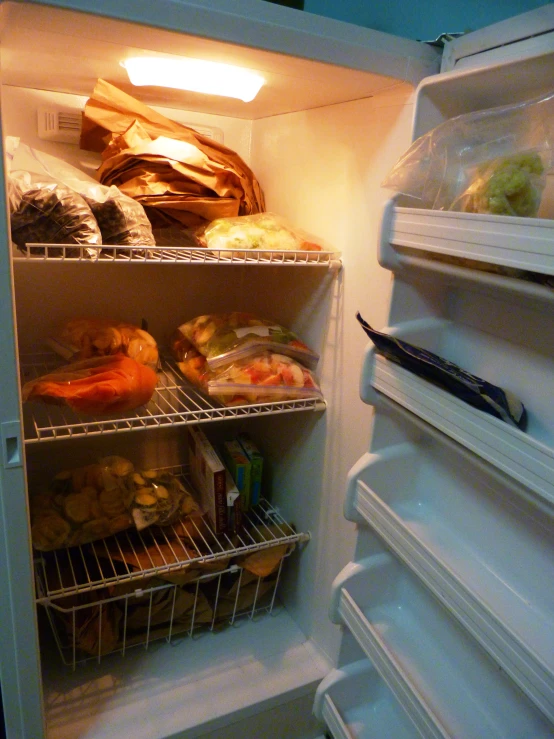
473,540
429,661
355,703
505,342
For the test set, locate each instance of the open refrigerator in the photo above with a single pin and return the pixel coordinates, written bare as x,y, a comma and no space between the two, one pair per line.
429,607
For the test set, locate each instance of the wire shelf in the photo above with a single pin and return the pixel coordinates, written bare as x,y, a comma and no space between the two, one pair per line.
90,628
175,402
172,255
132,557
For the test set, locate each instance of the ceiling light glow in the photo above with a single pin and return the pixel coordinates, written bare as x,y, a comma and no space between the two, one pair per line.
195,75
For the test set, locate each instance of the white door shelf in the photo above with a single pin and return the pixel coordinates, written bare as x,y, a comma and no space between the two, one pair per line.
355,703
419,650
517,243
507,343
457,526
514,452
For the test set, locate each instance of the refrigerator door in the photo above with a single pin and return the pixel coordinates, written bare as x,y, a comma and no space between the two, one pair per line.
462,499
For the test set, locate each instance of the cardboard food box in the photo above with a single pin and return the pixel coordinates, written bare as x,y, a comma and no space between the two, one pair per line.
256,466
209,477
239,466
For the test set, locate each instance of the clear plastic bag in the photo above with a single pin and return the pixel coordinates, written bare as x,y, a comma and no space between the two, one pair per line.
82,338
262,378
121,220
488,161
89,503
227,337
97,386
266,231
51,213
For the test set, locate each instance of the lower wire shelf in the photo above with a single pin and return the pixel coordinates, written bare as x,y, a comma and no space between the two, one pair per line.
90,626
162,583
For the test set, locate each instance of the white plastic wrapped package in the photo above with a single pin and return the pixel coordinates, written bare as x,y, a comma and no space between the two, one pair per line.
488,161
121,220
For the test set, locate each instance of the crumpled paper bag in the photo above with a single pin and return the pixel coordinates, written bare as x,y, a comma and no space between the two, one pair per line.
176,173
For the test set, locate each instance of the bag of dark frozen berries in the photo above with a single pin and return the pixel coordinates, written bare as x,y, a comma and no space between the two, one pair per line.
118,219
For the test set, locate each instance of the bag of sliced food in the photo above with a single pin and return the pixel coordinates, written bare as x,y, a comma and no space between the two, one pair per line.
261,378
92,502
82,338
228,337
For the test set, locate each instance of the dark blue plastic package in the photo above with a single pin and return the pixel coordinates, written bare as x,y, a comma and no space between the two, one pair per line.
469,388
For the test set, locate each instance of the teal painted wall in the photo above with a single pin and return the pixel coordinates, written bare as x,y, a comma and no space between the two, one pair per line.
421,19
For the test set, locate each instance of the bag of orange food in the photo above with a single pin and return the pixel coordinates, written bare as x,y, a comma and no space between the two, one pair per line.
82,338
98,386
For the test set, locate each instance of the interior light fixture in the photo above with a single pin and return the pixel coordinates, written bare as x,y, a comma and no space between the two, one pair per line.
195,75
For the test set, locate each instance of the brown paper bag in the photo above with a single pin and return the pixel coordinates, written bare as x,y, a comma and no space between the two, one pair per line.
137,142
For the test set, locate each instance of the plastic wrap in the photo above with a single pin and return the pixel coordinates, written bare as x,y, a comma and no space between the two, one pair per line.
97,386
83,338
487,161
227,337
120,219
51,213
261,378
258,231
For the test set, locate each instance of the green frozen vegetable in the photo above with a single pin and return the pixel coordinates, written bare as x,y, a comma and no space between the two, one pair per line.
510,186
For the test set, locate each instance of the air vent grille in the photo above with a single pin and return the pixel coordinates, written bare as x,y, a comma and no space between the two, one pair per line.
59,124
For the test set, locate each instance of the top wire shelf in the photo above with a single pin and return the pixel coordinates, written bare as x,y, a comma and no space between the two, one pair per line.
73,253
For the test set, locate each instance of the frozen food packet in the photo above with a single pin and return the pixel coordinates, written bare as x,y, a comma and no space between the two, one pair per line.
82,338
98,386
262,378
227,337
51,213
121,220
485,161
469,388
266,231
158,497
82,505
509,186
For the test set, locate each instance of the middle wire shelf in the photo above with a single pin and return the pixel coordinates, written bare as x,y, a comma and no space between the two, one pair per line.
135,557
175,402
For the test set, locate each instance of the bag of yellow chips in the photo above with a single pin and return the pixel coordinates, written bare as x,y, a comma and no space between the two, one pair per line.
91,502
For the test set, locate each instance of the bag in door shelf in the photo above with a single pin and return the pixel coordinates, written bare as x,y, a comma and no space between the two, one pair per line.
471,389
